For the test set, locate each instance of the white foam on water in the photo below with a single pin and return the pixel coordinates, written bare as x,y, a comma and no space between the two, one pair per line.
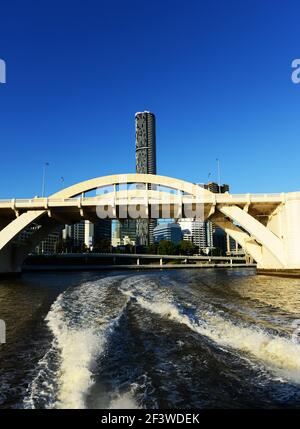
81,324
78,348
124,401
82,319
47,391
278,354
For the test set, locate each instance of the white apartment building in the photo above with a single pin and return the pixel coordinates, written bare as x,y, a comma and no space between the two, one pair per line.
195,231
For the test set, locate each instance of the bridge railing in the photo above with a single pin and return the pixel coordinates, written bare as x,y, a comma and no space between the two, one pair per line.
242,198
152,196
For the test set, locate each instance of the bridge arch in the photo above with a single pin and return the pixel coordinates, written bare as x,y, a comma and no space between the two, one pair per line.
255,237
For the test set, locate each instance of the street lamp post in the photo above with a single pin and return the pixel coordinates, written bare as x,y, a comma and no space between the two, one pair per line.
44,178
219,175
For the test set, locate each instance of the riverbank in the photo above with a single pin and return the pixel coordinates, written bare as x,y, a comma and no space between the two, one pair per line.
37,268
111,261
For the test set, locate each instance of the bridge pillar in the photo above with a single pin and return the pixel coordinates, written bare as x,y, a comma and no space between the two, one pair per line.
13,254
286,225
10,262
291,232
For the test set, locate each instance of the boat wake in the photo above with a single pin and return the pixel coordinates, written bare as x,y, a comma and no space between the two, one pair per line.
279,354
86,363
81,322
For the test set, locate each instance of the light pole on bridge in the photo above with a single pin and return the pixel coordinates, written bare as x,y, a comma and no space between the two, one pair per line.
46,164
219,175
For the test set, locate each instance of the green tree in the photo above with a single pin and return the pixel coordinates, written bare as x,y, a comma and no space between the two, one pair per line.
166,247
102,246
152,249
186,247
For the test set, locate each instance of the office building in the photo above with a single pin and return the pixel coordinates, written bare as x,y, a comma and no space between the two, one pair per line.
195,231
75,235
102,230
116,233
50,245
124,229
216,188
97,232
167,231
128,229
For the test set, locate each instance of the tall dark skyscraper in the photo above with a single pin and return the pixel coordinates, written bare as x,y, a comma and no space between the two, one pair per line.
145,153
145,143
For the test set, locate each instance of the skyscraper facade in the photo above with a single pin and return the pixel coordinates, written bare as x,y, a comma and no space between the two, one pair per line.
50,244
102,230
195,231
168,231
128,229
95,233
145,143
75,234
145,152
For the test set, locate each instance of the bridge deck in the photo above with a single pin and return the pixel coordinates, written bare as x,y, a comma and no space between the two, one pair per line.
166,205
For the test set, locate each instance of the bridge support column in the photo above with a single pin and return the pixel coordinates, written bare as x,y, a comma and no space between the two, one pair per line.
13,254
287,226
291,222
10,263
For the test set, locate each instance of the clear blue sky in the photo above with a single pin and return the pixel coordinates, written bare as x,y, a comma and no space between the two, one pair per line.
217,74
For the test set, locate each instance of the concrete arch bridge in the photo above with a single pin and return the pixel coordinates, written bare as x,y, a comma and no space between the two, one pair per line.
267,226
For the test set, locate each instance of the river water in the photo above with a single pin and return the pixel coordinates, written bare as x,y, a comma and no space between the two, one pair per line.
205,338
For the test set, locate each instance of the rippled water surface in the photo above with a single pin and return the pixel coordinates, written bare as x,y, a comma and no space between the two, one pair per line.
169,338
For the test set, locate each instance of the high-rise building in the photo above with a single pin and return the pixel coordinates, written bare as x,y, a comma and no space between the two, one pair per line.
145,142
102,230
145,153
116,233
88,234
124,228
167,231
50,244
216,188
195,231
128,229
95,233
75,234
